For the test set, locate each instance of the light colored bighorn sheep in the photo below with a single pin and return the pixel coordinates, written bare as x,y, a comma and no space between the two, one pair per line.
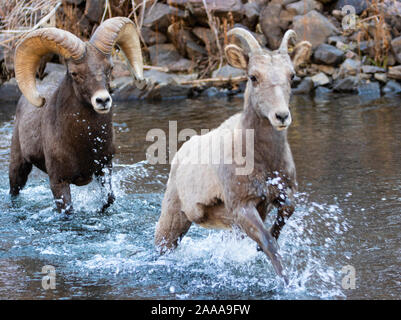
214,195
67,131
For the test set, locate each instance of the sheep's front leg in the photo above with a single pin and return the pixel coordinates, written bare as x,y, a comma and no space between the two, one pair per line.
249,220
62,196
284,212
104,177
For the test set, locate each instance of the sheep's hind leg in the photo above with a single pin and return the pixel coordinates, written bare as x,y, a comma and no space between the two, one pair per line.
62,196
173,223
19,168
104,177
19,172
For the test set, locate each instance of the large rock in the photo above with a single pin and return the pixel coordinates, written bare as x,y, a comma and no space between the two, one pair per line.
369,88
252,12
320,79
304,87
313,27
165,55
207,37
270,24
167,86
184,42
350,67
359,5
392,87
51,67
303,7
9,91
228,72
328,54
382,77
396,46
53,78
160,16
348,84
218,7
394,72
94,10
151,37
323,94
372,69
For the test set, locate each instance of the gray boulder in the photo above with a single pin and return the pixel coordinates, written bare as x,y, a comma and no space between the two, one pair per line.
350,67
396,46
372,69
359,5
165,55
160,16
348,84
228,72
303,7
9,91
151,37
320,79
305,87
369,88
314,27
392,87
394,73
328,54
270,24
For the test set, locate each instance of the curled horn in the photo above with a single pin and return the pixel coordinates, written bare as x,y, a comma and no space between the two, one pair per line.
246,38
34,46
120,31
290,34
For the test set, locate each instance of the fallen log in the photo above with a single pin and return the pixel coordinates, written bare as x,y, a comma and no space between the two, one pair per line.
219,81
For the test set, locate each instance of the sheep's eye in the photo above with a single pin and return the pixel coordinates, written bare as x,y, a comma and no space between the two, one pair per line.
253,79
292,76
74,74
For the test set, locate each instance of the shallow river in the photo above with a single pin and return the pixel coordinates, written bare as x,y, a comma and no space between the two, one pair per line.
348,157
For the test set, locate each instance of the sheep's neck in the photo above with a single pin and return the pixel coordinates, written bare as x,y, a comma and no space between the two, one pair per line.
270,145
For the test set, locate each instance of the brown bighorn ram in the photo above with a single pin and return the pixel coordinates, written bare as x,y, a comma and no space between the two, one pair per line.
211,193
67,131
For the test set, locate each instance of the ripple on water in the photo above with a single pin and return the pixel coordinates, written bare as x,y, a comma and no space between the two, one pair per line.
116,248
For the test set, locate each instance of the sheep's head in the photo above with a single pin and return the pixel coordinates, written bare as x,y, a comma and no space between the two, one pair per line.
269,76
88,63
90,79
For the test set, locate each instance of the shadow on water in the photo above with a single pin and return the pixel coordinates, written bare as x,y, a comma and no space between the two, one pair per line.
348,156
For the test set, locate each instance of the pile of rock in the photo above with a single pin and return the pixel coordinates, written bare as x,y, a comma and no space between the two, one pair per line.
185,41
180,35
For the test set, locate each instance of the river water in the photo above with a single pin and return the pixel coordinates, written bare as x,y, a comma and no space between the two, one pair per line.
348,158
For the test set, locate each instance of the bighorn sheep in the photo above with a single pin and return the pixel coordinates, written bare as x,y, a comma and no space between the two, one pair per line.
213,194
67,131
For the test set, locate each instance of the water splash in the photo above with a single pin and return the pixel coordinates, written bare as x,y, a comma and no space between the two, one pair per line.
117,247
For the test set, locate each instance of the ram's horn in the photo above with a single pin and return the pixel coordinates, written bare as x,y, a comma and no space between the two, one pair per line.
122,32
33,47
284,43
246,38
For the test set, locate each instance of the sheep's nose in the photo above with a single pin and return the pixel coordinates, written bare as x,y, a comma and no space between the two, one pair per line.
282,116
103,101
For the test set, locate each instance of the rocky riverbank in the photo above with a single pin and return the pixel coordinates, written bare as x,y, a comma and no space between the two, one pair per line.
183,43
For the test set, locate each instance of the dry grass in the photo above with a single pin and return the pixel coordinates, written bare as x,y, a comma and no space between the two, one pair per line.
374,27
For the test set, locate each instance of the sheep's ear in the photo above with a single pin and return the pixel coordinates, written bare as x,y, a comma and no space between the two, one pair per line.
236,57
301,53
